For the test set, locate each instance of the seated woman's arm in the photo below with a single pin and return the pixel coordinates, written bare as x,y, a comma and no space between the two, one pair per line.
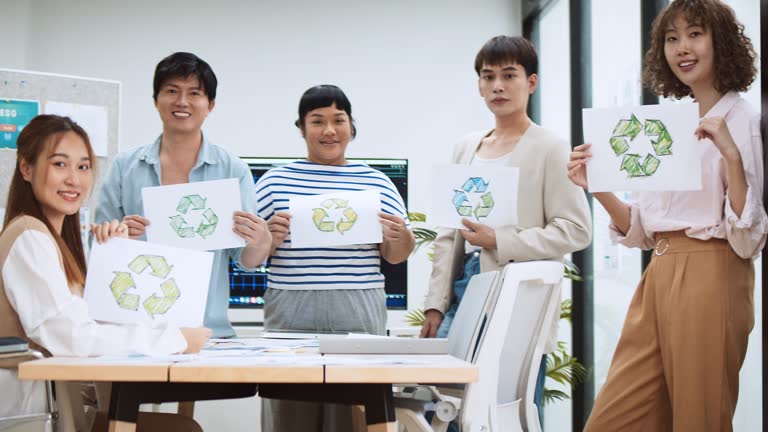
56,319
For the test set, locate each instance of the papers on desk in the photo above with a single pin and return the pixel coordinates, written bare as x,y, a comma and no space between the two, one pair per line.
260,351
288,334
372,344
142,359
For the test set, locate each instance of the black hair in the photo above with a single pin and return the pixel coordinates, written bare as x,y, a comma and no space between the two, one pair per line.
501,50
184,64
321,96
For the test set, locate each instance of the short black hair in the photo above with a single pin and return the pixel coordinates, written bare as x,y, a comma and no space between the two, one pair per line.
321,96
501,50
184,64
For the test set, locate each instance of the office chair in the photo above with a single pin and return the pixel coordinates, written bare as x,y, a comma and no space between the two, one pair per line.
502,328
40,422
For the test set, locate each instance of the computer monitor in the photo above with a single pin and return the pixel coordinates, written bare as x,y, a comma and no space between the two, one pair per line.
246,290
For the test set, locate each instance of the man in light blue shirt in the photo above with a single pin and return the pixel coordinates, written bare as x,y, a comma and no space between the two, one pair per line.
184,95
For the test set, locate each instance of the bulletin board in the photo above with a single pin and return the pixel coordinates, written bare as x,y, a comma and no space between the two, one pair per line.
49,88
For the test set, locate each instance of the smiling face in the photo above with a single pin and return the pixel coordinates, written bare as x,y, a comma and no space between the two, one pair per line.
690,53
506,88
327,132
60,179
183,105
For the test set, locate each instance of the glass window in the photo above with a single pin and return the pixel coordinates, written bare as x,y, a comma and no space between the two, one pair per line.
554,95
615,82
749,410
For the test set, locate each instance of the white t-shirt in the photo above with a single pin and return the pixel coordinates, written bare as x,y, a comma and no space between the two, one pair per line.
477,161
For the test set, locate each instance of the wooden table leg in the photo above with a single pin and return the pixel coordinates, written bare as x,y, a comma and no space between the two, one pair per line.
380,408
376,398
121,426
187,409
123,407
383,427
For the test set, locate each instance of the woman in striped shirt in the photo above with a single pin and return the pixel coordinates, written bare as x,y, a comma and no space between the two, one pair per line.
336,288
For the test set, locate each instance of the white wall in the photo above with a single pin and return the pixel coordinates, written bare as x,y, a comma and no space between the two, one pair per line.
14,22
406,66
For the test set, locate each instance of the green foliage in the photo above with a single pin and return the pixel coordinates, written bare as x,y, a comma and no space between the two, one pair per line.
417,217
424,236
415,318
571,271
564,369
566,309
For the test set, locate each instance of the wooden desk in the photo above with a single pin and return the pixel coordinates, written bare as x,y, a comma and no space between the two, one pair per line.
93,369
329,380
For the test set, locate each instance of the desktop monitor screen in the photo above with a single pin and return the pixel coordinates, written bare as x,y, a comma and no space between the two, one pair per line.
246,290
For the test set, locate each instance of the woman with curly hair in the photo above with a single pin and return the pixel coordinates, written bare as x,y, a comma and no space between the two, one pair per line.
676,366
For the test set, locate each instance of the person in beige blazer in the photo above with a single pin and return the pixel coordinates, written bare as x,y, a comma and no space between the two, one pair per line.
554,218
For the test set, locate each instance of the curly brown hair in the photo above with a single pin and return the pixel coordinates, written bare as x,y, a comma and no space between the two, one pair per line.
734,55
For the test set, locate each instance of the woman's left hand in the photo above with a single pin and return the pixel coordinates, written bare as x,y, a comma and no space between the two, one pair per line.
394,228
716,130
106,230
252,228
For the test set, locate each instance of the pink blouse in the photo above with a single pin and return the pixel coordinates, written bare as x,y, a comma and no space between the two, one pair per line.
707,213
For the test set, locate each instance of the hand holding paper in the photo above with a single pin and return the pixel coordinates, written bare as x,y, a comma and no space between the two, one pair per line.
136,226
577,166
251,228
104,231
279,227
478,234
716,130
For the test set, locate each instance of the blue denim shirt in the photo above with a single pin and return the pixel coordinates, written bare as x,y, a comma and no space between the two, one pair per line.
120,195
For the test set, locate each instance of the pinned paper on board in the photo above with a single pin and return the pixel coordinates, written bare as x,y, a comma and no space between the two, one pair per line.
644,148
193,215
15,114
94,119
336,219
131,281
483,194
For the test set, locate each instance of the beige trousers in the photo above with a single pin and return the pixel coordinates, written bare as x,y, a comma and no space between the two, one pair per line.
676,366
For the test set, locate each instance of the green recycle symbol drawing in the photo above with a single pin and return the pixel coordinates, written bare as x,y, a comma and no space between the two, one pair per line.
185,230
662,145
323,221
155,304
461,198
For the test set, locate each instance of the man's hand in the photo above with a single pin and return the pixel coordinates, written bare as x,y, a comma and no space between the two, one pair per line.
432,320
251,228
136,225
478,234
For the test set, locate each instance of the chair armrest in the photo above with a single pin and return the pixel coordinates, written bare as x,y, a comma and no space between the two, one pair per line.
12,360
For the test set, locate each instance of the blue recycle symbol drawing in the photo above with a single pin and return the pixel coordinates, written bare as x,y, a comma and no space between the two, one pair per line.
461,201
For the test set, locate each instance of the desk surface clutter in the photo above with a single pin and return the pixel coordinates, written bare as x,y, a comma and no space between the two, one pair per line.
257,360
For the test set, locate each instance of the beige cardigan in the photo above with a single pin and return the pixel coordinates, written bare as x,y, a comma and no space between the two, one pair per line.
554,218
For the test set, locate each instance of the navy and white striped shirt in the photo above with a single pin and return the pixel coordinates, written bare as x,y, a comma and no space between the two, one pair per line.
333,267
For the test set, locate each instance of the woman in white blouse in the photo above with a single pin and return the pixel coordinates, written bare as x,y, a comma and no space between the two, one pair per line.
43,265
676,366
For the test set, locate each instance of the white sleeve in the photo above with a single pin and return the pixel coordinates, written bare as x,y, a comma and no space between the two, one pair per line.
58,320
